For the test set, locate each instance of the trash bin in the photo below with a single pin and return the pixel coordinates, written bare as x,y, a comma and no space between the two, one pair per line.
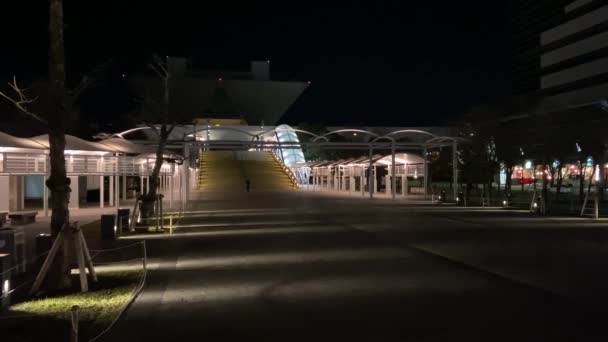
109,229
43,242
5,280
123,218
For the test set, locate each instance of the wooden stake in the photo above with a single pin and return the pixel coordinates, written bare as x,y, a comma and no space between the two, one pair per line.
87,256
84,284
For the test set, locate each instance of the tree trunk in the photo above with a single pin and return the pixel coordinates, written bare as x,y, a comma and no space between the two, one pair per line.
58,183
591,178
509,179
581,190
545,190
560,181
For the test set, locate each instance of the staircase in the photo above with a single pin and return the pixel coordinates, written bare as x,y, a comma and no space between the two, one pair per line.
226,171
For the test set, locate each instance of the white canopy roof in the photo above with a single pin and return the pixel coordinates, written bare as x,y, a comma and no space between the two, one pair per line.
125,146
75,144
9,141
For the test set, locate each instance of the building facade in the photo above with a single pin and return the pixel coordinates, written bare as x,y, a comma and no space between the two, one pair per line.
574,59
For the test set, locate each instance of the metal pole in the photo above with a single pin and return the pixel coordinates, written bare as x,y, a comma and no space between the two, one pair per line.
187,172
45,189
370,182
426,170
455,168
393,177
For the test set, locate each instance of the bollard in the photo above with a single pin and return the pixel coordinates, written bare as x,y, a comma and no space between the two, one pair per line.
74,315
460,198
108,226
442,198
506,201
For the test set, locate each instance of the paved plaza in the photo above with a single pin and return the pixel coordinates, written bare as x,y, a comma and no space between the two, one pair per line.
300,266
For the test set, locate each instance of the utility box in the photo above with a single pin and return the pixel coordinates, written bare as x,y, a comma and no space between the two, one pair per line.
12,241
5,280
109,228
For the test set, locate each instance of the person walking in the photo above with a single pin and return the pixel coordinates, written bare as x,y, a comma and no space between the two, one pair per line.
247,184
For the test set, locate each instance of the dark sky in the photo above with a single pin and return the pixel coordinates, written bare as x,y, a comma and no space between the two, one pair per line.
375,63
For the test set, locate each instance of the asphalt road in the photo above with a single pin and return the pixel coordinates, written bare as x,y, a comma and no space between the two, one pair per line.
300,267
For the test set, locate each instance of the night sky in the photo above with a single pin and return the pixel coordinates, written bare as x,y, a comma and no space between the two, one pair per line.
379,63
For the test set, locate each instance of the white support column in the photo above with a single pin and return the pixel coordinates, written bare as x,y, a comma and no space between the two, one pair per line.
111,191
393,176
124,187
141,185
455,168
404,185
21,192
117,191
375,179
370,183
75,193
101,199
5,199
171,181
387,184
45,198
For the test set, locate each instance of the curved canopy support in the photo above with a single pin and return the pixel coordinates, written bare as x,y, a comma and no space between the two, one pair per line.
346,130
129,131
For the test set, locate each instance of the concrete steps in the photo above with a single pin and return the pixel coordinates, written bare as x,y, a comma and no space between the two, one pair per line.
226,171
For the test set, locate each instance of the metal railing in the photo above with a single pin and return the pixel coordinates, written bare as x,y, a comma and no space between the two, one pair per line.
33,164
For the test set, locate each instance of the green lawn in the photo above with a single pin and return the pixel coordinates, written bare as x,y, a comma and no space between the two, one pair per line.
49,317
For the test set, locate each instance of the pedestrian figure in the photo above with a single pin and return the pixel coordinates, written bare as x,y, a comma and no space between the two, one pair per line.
247,184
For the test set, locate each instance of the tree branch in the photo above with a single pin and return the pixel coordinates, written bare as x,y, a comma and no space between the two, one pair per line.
22,102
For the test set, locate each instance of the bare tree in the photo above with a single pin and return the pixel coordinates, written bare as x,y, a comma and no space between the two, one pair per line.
158,112
58,113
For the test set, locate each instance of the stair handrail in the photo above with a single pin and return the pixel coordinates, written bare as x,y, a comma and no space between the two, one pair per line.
287,170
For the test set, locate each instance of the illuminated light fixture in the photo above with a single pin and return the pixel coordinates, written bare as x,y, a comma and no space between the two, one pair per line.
6,286
528,164
220,79
535,205
268,61
355,134
308,82
504,203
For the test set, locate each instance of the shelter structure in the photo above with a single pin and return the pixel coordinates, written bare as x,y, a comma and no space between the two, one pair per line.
111,170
